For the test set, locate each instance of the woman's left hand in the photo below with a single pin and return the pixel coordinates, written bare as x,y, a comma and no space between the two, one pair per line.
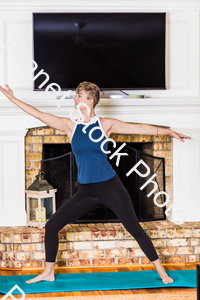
179,136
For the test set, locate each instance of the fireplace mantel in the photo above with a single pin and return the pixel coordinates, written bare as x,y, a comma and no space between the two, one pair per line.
188,105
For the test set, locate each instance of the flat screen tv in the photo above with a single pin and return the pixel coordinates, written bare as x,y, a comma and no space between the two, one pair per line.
113,50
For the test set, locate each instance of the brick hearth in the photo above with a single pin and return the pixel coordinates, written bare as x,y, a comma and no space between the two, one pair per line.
100,244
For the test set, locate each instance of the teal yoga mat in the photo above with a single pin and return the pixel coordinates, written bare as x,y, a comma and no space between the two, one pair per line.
99,281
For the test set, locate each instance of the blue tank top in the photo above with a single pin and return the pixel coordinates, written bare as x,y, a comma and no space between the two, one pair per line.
92,162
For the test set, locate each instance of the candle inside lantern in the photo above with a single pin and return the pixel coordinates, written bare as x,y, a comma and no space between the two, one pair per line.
43,214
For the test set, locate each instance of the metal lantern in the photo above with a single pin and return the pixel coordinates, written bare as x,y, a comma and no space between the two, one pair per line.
40,201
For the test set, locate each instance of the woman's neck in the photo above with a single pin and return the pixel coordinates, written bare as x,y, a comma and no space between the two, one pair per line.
87,117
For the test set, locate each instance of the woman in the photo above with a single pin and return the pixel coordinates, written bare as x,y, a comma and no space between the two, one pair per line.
98,182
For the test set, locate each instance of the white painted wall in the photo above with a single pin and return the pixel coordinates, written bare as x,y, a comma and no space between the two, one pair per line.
177,107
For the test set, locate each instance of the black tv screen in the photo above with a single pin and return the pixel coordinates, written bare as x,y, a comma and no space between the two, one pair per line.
112,50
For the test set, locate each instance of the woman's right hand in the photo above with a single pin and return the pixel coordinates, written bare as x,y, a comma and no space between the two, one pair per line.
7,92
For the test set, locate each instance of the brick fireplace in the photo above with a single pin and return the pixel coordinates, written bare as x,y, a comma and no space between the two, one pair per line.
83,244
159,146
97,243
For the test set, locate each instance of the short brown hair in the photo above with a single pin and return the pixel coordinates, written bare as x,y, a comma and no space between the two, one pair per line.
91,89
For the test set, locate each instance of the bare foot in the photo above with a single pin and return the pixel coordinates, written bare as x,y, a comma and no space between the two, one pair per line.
163,275
42,277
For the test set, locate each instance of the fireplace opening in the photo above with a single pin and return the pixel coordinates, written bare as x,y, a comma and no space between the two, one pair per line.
61,172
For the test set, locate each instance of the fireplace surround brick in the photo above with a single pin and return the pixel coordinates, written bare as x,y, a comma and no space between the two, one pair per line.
36,137
100,244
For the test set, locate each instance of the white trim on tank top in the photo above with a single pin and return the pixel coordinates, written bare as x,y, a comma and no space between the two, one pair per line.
91,121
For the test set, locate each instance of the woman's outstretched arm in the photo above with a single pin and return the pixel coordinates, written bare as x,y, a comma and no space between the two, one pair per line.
50,120
117,126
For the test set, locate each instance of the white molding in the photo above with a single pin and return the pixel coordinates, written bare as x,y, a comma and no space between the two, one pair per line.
12,177
186,173
183,27
17,218
103,5
111,107
191,213
9,53
159,101
13,132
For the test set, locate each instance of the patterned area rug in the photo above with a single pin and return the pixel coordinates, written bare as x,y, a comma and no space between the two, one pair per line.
153,296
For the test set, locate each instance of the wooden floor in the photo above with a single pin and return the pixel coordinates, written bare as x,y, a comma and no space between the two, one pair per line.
122,268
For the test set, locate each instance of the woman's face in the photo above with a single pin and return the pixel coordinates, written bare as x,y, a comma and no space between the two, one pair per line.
81,97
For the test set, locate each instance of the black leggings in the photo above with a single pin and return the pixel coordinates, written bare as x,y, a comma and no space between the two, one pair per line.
111,193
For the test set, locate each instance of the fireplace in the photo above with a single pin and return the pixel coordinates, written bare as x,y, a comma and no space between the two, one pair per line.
46,143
